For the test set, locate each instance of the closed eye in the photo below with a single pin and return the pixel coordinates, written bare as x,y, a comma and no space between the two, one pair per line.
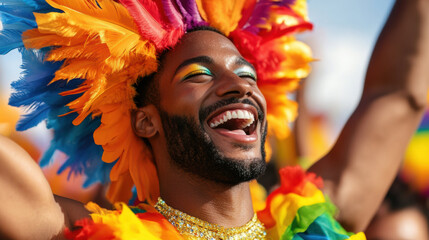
247,75
191,71
197,73
246,72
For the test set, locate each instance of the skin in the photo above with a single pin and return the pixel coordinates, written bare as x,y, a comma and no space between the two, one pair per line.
371,146
27,199
222,204
367,152
405,224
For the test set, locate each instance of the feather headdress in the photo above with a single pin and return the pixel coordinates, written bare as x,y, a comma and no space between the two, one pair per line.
81,59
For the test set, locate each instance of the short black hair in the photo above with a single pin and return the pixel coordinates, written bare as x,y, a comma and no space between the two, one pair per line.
205,28
147,91
147,87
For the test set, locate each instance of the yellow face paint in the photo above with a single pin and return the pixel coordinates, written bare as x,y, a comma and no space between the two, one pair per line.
191,70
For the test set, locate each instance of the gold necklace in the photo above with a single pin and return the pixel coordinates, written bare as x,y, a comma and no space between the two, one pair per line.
194,228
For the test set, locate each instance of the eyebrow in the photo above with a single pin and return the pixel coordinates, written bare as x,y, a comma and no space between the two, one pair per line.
209,60
242,61
199,59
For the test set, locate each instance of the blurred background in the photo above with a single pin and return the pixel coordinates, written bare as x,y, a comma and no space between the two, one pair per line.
342,40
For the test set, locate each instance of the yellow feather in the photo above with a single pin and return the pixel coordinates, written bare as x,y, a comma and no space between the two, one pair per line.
111,22
201,10
35,39
223,15
98,39
88,51
300,7
109,14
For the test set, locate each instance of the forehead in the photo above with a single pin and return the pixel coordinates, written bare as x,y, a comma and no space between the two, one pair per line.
197,44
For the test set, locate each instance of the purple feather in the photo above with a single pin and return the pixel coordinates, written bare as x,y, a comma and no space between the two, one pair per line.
173,15
286,2
259,16
261,12
190,13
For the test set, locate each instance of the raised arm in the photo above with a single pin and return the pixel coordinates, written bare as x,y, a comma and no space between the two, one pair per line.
28,208
366,157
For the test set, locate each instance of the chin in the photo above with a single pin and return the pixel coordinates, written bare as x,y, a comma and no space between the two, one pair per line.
236,171
240,152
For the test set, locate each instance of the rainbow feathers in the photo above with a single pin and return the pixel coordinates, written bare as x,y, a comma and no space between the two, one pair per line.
297,210
42,99
81,59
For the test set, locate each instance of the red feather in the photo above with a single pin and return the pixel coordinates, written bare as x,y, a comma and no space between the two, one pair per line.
146,16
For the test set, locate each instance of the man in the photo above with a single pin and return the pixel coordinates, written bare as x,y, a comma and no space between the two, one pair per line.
204,157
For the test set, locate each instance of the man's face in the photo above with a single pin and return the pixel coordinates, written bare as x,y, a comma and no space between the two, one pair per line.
212,111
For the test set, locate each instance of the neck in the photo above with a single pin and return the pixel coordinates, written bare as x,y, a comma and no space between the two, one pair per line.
224,205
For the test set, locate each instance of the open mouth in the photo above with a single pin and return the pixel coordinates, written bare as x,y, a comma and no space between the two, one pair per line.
239,122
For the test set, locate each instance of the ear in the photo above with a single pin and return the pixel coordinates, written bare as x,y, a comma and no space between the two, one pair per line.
145,121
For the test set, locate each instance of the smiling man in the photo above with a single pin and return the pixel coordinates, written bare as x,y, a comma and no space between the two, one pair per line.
207,129
182,111
212,112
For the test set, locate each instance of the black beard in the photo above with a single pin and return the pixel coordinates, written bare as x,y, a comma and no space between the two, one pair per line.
194,152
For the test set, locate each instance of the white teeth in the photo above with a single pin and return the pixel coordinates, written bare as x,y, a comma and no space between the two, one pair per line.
237,114
240,114
245,115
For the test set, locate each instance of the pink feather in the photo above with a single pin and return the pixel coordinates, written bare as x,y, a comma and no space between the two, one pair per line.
147,19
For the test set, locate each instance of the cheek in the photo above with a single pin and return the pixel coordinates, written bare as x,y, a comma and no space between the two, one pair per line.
260,98
185,99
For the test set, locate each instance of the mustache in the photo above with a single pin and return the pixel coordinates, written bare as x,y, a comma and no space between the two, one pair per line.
206,111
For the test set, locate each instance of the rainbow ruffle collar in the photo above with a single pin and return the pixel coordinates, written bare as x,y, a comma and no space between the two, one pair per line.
297,210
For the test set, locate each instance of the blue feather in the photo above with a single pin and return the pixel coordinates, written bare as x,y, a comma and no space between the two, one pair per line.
16,17
11,18
9,40
34,5
47,156
34,118
43,100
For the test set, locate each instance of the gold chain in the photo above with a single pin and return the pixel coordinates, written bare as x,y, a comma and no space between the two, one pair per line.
193,228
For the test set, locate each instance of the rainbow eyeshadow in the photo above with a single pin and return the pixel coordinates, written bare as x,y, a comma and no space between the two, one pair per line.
245,71
191,70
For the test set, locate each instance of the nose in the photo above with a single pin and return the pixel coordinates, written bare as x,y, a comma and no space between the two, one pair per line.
231,85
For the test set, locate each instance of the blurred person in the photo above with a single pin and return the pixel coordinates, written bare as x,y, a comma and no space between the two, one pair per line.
187,161
401,215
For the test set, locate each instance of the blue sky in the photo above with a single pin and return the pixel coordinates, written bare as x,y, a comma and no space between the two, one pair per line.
343,37
363,15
